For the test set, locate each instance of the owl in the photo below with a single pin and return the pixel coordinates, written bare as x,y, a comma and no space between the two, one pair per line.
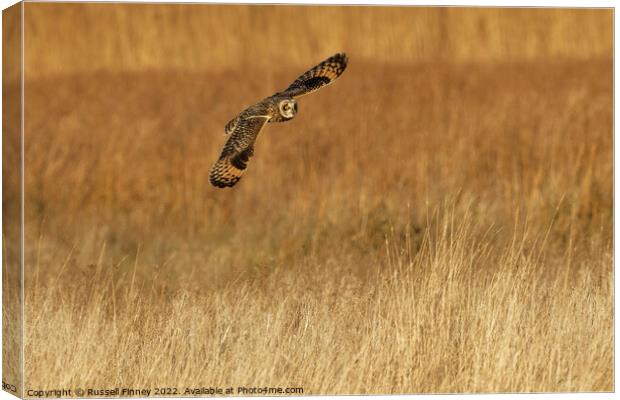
281,107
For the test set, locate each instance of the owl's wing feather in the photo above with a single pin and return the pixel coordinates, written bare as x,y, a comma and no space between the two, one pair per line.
237,151
321,75
231,125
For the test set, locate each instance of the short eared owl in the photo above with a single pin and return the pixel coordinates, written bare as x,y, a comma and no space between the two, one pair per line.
280,107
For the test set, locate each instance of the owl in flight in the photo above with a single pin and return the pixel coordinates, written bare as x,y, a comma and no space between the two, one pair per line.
281,107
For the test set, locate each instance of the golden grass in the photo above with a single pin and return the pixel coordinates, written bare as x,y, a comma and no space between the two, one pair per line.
420,234
70,38
449,315
430,226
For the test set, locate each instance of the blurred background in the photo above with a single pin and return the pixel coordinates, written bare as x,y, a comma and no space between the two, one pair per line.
80,38
503,115
126,105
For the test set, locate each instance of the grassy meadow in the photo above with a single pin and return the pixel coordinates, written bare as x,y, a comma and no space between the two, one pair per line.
437,220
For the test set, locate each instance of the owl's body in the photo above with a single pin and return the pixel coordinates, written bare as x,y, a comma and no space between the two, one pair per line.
281,107
267,107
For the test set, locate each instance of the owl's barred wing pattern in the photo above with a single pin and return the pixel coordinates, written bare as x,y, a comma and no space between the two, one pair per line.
237,152
321,75
231,125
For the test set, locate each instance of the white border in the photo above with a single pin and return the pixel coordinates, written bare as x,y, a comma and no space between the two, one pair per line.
456,3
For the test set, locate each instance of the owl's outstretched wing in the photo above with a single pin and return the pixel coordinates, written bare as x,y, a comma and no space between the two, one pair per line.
237,151
321,75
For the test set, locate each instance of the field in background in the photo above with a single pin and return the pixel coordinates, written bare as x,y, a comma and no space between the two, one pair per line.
430,223
76,38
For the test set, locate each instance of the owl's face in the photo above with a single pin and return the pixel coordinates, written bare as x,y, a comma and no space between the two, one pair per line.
288,108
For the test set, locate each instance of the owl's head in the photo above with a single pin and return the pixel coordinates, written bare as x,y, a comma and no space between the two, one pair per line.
288,108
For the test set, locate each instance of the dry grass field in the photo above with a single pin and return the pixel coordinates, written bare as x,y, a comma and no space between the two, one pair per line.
429,224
